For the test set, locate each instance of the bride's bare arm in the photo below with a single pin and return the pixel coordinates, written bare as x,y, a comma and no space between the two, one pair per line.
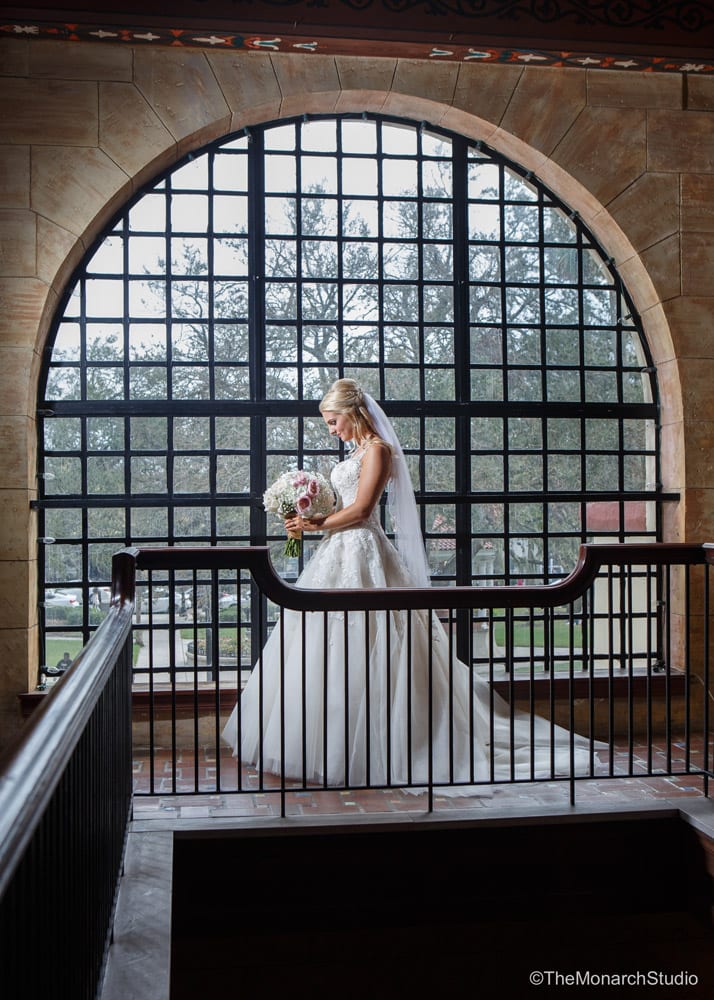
374,473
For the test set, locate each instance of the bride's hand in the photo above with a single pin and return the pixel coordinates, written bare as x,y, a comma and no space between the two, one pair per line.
295,525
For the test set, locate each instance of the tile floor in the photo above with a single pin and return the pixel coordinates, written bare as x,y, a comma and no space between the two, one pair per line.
193,796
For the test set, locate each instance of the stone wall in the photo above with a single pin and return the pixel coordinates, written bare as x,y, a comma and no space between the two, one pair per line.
83,126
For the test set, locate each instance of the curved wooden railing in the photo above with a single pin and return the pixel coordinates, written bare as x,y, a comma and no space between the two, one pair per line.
256,559
604,687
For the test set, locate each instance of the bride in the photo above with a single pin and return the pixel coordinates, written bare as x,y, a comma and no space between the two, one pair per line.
356,685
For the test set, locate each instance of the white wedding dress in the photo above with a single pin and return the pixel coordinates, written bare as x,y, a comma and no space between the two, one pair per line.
356,718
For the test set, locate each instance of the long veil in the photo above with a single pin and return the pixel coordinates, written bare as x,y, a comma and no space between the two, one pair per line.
401,501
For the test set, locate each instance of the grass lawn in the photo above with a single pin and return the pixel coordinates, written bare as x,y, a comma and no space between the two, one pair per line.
522,634
57,647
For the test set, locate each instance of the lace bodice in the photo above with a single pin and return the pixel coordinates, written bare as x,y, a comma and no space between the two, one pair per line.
345,479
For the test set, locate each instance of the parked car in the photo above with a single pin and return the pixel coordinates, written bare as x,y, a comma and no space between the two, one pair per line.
65,598
160,603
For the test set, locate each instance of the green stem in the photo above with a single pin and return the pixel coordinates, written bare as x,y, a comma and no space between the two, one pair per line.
293,547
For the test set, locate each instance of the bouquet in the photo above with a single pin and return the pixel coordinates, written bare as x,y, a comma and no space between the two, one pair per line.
297,492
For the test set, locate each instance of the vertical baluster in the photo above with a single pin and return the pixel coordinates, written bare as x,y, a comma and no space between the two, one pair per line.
281,626
367,694
669,605
346,647
610,669
410,681
303,696
325,693
651,574
705,672
687,667
430,723
626,614
388,692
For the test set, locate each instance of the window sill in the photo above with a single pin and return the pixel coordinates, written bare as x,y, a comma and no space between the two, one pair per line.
185,701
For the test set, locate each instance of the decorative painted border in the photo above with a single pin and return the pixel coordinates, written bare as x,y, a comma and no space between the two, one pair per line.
180,37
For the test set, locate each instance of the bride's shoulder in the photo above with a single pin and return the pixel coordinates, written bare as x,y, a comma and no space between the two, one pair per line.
377,442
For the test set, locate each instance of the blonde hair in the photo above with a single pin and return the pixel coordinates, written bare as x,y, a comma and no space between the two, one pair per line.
346,397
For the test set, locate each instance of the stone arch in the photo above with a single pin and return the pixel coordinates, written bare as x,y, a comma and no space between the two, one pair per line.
85,133
596,216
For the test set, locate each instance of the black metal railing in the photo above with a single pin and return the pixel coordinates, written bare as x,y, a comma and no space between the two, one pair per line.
618,653
65,798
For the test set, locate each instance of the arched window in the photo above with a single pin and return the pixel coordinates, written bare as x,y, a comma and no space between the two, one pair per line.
186,363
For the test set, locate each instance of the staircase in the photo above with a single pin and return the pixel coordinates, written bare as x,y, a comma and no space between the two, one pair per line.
456,909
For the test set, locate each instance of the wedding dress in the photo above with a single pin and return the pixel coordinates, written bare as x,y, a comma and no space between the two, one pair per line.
357,703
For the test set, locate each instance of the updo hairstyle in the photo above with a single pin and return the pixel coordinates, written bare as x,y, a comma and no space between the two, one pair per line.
346,397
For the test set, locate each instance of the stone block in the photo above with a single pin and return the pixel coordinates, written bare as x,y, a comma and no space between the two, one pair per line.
486,91
623,89
18,238
605,150
697,262
699,454
698,202
669,378
58,253
255,115
371,73
18,449
434,81
78,61
17,396
130,131
700,93
691,321
472,127
19,650
662,262
646,277
76,187
18,593
304,74
320,102
416,108
698,506
49,112
179,85
632,209
697,377
14,177
14,57
307,85
673,521
360,101
247,79
18,527
658,333
24,302
544,106
680,141
672,456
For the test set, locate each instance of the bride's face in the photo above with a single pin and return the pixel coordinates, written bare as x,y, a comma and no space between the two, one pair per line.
339,425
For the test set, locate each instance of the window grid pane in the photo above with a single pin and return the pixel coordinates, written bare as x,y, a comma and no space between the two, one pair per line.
201,333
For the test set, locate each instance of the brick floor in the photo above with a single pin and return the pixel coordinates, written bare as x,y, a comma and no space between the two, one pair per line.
191,791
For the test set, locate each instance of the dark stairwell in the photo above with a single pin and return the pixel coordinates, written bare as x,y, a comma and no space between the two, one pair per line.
460,908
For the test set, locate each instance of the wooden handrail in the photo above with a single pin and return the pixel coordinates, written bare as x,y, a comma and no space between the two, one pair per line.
31,770
256,559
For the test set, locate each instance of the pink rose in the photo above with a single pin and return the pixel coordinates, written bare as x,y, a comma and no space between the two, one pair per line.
300,479
313,488
303,504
